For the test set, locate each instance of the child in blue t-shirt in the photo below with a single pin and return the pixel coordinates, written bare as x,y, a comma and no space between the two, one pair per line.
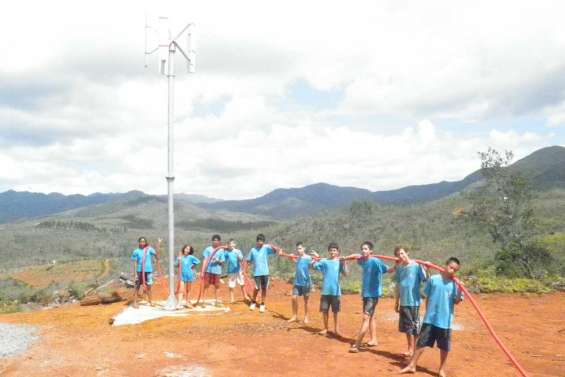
409,277
143,258
302,282
259,256
441,296
331,269
185,263
234,257
214,259
373,270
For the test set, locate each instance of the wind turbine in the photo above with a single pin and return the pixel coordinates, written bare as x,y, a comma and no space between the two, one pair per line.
166,48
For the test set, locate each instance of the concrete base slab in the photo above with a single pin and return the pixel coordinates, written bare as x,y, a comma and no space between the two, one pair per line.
145,312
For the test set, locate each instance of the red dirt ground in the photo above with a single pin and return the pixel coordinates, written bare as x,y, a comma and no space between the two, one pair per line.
78,341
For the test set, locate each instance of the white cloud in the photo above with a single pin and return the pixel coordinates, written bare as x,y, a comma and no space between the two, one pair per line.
78,113
555,115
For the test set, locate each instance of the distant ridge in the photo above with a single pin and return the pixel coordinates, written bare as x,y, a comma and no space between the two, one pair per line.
285,203
545,168
16,205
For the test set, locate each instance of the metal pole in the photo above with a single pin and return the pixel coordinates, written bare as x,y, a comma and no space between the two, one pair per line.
171,301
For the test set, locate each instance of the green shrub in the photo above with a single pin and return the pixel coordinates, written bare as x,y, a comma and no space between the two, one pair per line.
518,285
351,286
486,281
9,306
530,260
77,289
42,296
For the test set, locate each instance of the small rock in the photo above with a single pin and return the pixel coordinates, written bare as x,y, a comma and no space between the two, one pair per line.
171,355
183,371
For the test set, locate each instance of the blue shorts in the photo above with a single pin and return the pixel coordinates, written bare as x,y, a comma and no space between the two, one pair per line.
185,278
328,301
301,290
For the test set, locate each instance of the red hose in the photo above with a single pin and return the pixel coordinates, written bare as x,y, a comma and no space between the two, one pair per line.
177,290
143,268
474,303
161,276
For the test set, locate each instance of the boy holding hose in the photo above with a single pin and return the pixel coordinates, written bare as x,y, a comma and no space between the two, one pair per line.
302,280
331,268
373,270
409,277
442,294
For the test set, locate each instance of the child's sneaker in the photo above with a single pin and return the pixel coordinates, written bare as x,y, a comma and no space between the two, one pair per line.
252,306
262,309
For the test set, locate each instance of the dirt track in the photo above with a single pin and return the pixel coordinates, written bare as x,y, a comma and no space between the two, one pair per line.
78,341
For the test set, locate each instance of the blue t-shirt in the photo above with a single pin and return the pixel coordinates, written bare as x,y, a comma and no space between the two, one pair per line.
260,259
302,275
373,270
187,261
214,265
441,301
331,269
137,255
233,258
409,279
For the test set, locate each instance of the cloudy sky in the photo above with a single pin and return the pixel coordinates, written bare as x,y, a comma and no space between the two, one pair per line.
376,94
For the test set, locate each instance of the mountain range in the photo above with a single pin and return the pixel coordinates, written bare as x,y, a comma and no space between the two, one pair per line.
545,168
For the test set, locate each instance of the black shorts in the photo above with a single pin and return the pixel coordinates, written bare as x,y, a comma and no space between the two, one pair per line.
431,334
327,301
148,279
369,305
409,321
261,282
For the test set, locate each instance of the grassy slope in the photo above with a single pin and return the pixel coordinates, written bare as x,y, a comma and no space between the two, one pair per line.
431,231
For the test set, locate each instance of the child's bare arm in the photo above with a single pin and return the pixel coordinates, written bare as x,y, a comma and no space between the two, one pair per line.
316,259
351,257
281,253
276,248
459,296
397,298
425,271
345,270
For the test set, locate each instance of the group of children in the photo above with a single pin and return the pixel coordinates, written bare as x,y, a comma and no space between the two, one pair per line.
440,290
